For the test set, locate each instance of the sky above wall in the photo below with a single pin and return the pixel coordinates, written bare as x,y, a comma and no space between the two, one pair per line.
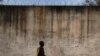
43,2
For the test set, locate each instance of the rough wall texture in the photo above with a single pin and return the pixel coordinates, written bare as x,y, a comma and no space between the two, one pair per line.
66,31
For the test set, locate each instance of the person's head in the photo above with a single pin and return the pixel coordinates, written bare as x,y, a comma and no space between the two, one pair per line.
41,43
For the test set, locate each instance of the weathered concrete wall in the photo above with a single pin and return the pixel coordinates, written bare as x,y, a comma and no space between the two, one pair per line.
66,31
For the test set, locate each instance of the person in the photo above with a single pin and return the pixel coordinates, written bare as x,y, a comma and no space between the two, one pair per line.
41,49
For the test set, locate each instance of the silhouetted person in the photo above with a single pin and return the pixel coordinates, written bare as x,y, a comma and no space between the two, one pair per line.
41,49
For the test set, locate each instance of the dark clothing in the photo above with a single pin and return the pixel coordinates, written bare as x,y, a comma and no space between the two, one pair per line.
41,51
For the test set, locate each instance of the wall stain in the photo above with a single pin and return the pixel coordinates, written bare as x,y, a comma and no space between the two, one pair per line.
15,19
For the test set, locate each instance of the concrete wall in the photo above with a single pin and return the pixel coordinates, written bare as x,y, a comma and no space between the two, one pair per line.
66,31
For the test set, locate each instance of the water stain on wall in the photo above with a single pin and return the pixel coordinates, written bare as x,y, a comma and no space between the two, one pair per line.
63,29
